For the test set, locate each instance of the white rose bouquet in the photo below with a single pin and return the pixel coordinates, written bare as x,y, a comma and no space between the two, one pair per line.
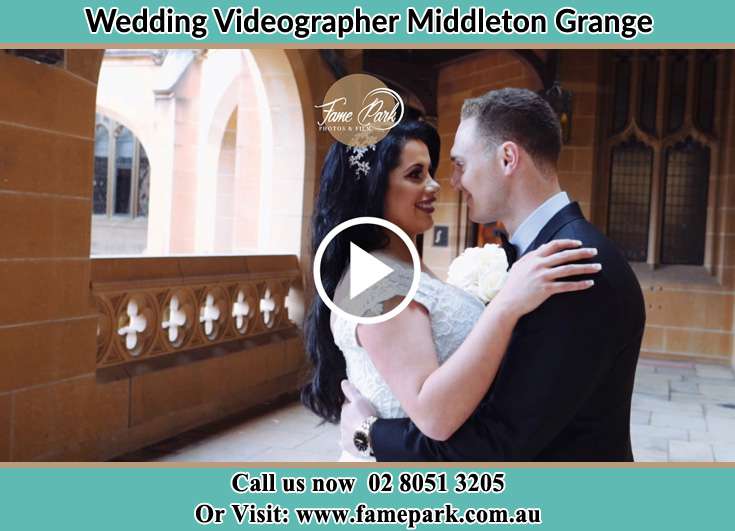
480,271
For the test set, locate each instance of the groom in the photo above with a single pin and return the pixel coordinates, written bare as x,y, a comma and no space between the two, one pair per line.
564,389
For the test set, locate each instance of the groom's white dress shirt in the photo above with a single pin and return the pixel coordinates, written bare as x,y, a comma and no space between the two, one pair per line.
532,225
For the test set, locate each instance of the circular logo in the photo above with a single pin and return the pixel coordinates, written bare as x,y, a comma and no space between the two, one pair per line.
366,271
359,110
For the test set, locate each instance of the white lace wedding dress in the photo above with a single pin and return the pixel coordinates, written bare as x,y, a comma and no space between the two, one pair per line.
452,312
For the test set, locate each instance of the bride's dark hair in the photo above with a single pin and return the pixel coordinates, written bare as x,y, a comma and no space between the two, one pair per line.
342,196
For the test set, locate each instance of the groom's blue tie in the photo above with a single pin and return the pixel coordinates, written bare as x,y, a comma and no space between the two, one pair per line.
510,250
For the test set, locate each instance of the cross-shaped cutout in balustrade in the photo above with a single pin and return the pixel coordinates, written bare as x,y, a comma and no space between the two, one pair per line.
293,304
136,325
240,309
267,307
176,319
209,314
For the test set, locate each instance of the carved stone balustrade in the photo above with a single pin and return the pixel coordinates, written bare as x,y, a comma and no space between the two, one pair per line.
151,307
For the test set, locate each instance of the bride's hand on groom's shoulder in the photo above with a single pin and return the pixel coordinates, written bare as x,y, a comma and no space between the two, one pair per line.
535,277
355,410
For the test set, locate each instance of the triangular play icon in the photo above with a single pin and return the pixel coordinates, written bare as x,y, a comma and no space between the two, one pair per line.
365,270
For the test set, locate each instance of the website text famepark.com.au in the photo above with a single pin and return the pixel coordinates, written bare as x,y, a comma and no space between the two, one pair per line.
411,517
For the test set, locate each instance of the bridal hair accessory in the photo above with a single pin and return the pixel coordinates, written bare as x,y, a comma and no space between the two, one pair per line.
359,166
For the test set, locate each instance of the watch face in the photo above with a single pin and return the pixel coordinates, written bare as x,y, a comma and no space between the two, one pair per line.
361,441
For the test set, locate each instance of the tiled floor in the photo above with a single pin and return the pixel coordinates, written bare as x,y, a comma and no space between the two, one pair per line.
681,412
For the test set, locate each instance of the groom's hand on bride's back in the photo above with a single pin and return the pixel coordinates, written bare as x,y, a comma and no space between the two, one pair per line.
355,410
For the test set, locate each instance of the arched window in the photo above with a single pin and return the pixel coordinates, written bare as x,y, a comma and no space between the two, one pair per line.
630,198
101,170
144,181
685,203
124,152
120,188
661,134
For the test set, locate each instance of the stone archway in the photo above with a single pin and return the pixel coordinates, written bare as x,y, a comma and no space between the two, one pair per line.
264,93
185,105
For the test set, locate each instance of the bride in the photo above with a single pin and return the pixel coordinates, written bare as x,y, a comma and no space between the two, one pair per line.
438,376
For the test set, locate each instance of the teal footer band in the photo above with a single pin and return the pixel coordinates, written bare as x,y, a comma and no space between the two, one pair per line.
563,498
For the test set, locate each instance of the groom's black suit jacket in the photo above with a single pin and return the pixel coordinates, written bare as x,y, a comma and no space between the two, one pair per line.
563,390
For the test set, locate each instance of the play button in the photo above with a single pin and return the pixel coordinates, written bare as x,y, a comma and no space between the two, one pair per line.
374,277
365,271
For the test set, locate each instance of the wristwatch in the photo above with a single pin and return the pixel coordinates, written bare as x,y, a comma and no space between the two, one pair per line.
361,438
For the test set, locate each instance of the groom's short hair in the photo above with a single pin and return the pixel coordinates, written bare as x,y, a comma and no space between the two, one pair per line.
520,116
